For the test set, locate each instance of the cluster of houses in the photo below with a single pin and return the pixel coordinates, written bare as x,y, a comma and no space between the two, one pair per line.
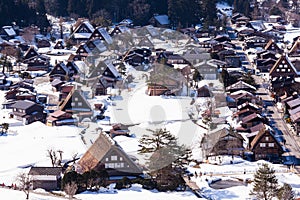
252,138
249,134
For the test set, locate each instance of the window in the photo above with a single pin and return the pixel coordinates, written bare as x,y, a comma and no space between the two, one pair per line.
283,70
76,98
277,70
79,103
114,158
271,144
121,158
106,159
262,144
73,104
289,70
267,138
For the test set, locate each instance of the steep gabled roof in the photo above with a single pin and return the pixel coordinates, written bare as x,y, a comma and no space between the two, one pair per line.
101,149
283,63
31,52
75,96
296,47
59,65
271,44
259,136
101,33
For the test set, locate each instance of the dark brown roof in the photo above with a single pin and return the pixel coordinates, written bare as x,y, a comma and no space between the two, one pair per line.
55,171
257,127
250,117
23,104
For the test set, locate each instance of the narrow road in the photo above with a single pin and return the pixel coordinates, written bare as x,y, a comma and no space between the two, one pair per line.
292,141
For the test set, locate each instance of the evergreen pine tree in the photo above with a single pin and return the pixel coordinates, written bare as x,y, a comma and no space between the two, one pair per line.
286,192
265,183
168,158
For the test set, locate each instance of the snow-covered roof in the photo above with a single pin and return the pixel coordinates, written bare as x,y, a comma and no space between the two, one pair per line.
9,31
162,19
82,35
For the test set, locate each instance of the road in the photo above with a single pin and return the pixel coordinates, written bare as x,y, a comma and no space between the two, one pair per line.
277,122
292,143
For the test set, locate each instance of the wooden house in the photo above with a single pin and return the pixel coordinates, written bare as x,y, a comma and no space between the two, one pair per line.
223,142
196,55
73,69
107,71
208,70
82,31
250,106
257,25
272,46
47,178
19,93
96,46
137,56
282,75
59,71
31,52
235,16
43,42
38,63
100,86
106,154
225,53
145,42
161,21
76,57
242,96
233,62
102,34
167,81
266,54
252,120
59,118
7,33
255,41
204,91
77,105
28,111
83,50
119,30
283,67
59,44
266,147
295,119
239,115
265,65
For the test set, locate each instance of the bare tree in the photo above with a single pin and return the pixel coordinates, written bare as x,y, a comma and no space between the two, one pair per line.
52,155
24,183
70,189
60,157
